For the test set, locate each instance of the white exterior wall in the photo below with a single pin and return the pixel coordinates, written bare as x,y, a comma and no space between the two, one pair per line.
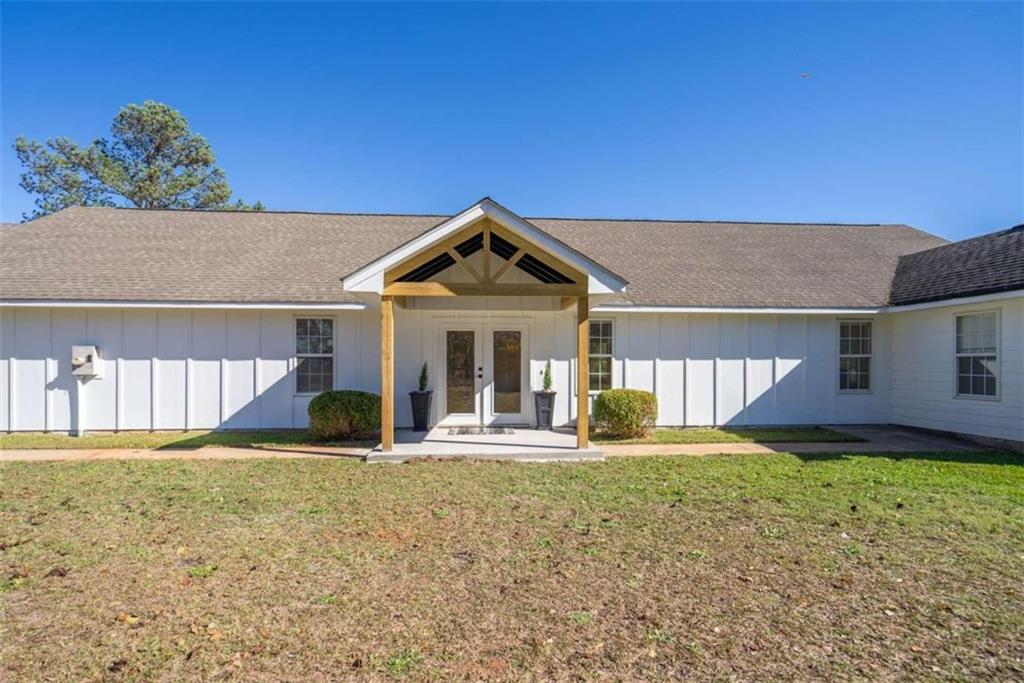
169,368
923,378
738,369
234,369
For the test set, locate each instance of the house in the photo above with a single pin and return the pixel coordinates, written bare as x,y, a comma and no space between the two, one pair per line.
210,319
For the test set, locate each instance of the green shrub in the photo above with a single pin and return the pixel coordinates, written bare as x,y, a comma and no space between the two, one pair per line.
626,413
344,415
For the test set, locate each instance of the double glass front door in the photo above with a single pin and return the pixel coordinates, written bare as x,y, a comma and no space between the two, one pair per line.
484,374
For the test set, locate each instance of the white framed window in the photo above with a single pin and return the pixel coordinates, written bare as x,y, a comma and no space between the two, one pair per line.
977,355
854,355
601,352
314,355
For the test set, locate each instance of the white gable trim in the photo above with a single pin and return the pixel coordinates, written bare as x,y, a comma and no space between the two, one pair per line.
370,278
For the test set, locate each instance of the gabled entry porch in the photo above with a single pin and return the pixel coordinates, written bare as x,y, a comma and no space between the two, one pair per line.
489,269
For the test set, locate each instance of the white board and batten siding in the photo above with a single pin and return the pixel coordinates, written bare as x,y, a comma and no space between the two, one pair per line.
169,368
234,369
706,369
923,376
744,369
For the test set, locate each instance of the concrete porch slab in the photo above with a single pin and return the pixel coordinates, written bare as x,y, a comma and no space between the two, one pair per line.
523,445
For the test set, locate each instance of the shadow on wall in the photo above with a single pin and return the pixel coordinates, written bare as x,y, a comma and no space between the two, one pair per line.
211,403
755,376
737,392
163,369
786,400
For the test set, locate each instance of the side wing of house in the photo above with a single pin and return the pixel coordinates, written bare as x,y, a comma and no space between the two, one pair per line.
960,367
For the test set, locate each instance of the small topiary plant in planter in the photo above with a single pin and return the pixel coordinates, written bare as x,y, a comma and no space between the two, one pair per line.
421,402
344,414
544,400
423,376
626,413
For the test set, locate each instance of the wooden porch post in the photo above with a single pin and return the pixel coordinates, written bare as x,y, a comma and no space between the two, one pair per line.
387,373
582,372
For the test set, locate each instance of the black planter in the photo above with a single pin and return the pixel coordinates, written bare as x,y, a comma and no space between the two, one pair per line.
421,401
544,403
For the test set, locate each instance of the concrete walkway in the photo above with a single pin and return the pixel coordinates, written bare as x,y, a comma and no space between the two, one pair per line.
879,439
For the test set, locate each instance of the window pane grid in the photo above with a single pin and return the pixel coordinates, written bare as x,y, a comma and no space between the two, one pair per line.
314,375
600,355
976,333
314,351
855,356
977,361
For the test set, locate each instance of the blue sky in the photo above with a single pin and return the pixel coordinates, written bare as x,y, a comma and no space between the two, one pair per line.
911,113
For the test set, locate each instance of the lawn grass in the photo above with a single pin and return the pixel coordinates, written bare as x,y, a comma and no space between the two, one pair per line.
190,439
736,435
725,567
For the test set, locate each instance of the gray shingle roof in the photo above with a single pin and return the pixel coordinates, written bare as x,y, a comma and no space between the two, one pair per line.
980,265
90,254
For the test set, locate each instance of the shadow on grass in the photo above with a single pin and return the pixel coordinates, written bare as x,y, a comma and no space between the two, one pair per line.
284,440
726,435
318,450
980,457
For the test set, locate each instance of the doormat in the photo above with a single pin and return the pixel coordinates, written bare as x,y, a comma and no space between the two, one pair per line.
479,431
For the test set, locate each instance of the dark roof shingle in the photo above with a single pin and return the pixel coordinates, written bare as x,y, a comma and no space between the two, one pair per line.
980,265
103,254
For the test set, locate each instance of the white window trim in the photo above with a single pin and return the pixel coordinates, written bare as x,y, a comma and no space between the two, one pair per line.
295,355
869,356
999,358
610,356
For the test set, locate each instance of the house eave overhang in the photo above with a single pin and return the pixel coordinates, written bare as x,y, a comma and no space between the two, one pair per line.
744,310
369,279
956,301
242,305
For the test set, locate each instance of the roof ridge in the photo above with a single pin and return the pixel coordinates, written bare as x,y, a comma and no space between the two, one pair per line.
1005,232
725,222
276,211
529,218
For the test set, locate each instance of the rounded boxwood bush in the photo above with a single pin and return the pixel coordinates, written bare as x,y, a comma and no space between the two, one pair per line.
626,413
344,415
